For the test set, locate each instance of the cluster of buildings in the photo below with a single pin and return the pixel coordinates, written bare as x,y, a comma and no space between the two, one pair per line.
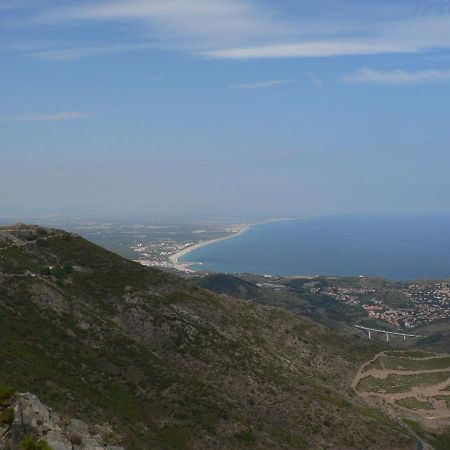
429,293
349,295
424,303
157,254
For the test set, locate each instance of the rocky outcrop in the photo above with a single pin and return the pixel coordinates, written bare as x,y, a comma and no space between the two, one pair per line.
33,418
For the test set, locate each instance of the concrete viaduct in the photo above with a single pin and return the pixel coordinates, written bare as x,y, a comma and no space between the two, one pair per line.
387,333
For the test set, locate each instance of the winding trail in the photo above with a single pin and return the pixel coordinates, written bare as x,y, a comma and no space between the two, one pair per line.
433,418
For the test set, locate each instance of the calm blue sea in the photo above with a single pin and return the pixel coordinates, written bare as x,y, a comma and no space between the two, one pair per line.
395,247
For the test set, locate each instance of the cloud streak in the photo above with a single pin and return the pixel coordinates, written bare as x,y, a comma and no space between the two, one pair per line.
75,53
312,49
259,85
247,29
56,117
397,76
196,22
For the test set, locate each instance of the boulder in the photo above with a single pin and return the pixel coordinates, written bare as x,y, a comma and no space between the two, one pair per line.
32,417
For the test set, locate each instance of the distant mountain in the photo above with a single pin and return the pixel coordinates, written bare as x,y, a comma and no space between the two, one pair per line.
170,365
286,293
228,284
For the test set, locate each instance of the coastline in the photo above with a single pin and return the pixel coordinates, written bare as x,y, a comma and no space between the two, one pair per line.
241,228
184,267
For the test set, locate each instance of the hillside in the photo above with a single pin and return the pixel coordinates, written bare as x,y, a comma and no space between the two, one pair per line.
169,365
415,386
284,292
416,306
230,285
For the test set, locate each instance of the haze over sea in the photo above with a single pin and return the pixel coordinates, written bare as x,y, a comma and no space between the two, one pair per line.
398,247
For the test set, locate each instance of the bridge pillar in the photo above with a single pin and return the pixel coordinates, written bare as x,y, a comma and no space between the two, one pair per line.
387,337
404,337
369,334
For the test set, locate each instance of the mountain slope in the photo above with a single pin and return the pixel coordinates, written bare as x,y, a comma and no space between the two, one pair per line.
228,284
283,292
170,365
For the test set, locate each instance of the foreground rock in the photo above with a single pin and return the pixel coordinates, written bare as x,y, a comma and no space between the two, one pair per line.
35,422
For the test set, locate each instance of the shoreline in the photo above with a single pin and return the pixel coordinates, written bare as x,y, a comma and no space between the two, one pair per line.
241,228
184,267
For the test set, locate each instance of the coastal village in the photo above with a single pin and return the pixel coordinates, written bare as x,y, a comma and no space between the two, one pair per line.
424,303
159,254
166,253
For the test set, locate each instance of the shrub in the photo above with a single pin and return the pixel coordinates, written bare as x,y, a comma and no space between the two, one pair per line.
68,268
45,271
7,416
30,443
6,393
175,437
247,437
59,273
75,439
110,438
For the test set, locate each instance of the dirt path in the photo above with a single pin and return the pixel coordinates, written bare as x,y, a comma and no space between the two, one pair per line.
438,414
384,373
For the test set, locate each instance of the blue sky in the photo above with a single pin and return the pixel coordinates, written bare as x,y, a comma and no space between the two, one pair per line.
224,106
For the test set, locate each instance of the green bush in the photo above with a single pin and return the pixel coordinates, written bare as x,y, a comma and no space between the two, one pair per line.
30,443
176,438
6,393
68,268
7,416
45,271
246,437
59,273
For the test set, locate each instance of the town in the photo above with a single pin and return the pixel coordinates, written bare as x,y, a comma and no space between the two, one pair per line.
158,254
424,302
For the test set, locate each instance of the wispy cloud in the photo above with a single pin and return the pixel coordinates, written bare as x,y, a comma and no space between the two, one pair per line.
405,35
309,49
260,84
397,76
193,21
56,117
248,29
73,54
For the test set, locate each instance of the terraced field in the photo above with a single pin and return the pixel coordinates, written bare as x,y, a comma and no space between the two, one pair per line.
414,386
398,383
402,363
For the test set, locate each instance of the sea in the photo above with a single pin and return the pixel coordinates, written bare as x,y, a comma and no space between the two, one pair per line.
396,247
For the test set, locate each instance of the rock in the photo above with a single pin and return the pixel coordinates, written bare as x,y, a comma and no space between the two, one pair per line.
32,417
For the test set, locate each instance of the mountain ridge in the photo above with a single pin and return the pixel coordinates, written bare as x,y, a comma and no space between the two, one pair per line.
169,364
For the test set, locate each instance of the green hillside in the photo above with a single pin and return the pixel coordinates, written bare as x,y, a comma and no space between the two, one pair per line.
170,365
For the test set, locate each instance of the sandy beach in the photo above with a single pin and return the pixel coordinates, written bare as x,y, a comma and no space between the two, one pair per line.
184,267
237,230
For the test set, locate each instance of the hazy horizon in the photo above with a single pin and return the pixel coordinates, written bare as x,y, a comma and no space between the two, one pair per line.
224,108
